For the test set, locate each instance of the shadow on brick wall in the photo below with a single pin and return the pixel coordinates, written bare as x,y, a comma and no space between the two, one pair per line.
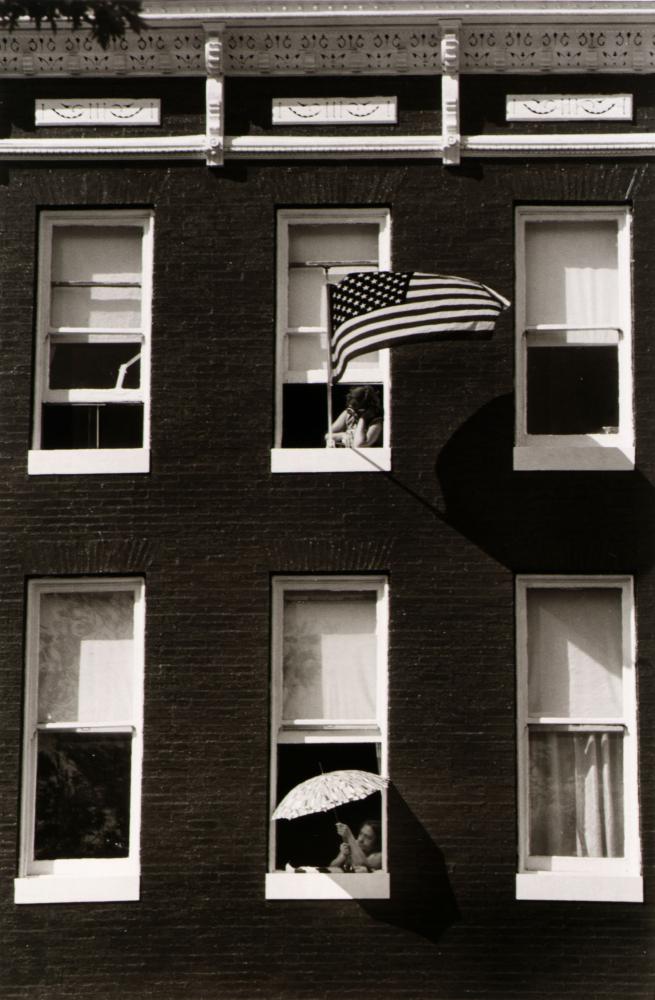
422,900
560,522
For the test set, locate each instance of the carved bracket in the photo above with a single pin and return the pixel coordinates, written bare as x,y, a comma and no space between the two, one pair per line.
214,100
450,127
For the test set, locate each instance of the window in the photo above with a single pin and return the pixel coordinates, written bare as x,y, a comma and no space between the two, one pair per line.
82,742
328,713
93,343
573,333
579,830
316,248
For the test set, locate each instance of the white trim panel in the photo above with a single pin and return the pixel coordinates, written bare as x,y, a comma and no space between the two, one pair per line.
87,461
321,885
68,889
582,888
330,460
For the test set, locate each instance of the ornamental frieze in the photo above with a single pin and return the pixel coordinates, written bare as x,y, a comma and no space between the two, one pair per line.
336,51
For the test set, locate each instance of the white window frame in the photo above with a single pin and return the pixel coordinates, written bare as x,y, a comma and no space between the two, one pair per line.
328,459
79,880
603,451
72,461
333,885
571,878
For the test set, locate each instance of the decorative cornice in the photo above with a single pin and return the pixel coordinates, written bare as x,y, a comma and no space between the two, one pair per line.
333,50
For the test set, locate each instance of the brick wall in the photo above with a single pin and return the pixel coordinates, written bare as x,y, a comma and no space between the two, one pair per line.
451,526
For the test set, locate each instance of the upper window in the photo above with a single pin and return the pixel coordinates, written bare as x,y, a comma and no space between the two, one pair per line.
83,742
574,354
316,248
579,829
93,343
328,713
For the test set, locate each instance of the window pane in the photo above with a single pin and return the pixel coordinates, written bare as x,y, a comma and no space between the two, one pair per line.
575,656
330,655
313,840
95,366
82,796
572,273
573,390
96,253
106,425
307,352
306,292
334,243
86,654
96,308
576,794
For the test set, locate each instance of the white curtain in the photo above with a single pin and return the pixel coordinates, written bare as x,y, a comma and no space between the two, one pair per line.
330,656
576,794
575,675
571,273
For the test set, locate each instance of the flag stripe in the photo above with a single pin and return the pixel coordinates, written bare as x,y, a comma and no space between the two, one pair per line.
376,309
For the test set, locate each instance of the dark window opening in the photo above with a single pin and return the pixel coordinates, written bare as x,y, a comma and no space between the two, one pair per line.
82,796
313,840
304,415
92,425
573,390
95,366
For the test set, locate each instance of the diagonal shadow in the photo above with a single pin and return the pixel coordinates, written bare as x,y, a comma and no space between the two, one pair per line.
591,522
422,900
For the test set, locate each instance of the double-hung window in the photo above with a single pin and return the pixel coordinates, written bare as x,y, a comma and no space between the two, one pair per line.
93,343
573,339
315,248
577,739
329,696
82,741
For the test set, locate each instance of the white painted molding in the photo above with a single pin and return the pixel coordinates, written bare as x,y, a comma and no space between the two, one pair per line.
116,111
450,117
214,97
320,885
194,147
568,107
335,111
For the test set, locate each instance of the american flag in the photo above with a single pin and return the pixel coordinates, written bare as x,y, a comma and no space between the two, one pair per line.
375,309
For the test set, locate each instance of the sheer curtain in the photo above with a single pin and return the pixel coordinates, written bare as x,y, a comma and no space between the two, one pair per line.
572,273
574,675
329,656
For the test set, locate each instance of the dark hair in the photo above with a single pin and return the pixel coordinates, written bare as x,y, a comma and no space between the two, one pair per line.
365,397
376,827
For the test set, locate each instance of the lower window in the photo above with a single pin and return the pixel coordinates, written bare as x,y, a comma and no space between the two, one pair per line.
329,715
83,742
579,832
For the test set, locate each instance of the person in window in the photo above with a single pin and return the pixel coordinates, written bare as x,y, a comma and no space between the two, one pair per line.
360,424
361,853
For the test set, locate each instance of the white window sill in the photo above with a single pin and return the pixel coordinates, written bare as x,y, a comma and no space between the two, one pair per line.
583,888
87,461
76,889
559,455
321,885
330,460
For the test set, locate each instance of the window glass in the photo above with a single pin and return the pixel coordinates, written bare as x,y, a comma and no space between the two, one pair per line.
95,366
576,794
575,653
86,657
330,655
572,273
96,254
573,390
82,796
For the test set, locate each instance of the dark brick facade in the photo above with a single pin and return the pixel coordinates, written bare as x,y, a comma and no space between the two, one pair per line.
451,526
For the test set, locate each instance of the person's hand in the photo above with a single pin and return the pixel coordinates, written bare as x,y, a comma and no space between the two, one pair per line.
344,831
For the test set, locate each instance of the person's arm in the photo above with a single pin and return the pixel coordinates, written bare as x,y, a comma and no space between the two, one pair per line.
342,858
341,423
357,857
365,435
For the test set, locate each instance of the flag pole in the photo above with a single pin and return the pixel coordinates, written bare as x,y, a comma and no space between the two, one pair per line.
329,288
